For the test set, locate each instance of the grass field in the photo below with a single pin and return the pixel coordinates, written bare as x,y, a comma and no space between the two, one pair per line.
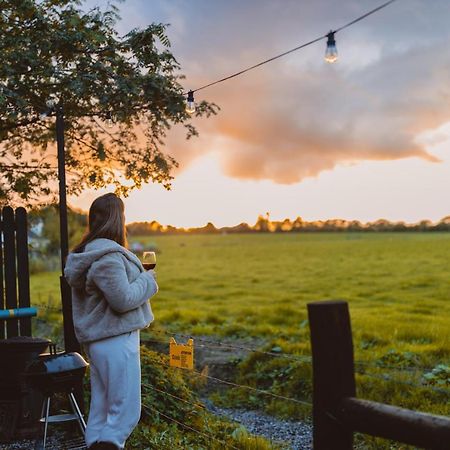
397,285
258,285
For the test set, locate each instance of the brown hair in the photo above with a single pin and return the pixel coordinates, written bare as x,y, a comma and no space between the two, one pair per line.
106,220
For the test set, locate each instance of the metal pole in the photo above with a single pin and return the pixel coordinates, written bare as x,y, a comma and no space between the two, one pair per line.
63,228
71,343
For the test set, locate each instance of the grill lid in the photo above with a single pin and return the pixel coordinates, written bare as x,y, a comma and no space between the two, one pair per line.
58,363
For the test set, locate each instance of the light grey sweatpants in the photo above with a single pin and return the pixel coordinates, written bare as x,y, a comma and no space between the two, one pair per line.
115,388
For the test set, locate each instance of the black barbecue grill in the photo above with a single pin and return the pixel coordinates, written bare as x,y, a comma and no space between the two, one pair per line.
57,372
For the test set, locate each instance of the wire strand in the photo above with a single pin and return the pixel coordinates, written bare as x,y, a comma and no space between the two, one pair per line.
313,41
250,388
260,391
188,427
200,407
195,405
219,344
293,358
405,382
413,369
380,377
49,308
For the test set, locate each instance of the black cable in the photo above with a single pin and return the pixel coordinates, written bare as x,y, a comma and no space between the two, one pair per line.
261,63
293,49
365,15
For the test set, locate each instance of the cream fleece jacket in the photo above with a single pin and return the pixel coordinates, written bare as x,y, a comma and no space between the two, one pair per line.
110,291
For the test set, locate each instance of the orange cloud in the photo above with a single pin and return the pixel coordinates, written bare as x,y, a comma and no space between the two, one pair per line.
297,117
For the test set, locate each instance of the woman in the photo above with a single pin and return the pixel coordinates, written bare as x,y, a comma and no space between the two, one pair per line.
110,292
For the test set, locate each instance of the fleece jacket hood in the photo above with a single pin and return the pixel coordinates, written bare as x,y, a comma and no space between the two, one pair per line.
78,264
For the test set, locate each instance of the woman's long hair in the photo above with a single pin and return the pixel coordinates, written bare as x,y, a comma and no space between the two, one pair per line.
106,220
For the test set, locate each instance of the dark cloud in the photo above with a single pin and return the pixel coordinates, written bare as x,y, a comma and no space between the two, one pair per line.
299,116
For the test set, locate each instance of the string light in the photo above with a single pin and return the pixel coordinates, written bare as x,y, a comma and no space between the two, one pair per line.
109,120
190,103
49,109
331,54
51,102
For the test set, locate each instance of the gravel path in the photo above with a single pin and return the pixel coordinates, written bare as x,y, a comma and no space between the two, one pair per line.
56,441
297,434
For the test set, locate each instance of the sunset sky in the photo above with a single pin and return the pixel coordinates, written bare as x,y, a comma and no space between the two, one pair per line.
365,138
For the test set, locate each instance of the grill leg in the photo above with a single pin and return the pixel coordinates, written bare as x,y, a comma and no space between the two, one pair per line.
44,404
77,411
47,411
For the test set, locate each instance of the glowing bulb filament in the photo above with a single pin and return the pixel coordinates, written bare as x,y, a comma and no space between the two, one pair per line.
190,103
331,54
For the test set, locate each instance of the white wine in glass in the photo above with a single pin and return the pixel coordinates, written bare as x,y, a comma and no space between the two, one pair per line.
149,260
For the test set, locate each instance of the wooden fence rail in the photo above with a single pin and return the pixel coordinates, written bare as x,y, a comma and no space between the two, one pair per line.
337,413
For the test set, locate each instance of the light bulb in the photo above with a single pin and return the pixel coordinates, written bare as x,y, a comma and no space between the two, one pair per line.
109,121
190,104
51,102
331,54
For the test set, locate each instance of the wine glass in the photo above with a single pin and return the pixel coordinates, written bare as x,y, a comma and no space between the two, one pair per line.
149,260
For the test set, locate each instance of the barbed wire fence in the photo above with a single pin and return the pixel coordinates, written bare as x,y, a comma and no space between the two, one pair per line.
375,370
204,343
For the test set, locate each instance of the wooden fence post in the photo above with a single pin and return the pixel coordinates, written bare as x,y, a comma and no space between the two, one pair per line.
333,372
2,292
9,226
23,272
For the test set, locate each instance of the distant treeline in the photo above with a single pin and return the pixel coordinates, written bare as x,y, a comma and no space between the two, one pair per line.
265,225
44,227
